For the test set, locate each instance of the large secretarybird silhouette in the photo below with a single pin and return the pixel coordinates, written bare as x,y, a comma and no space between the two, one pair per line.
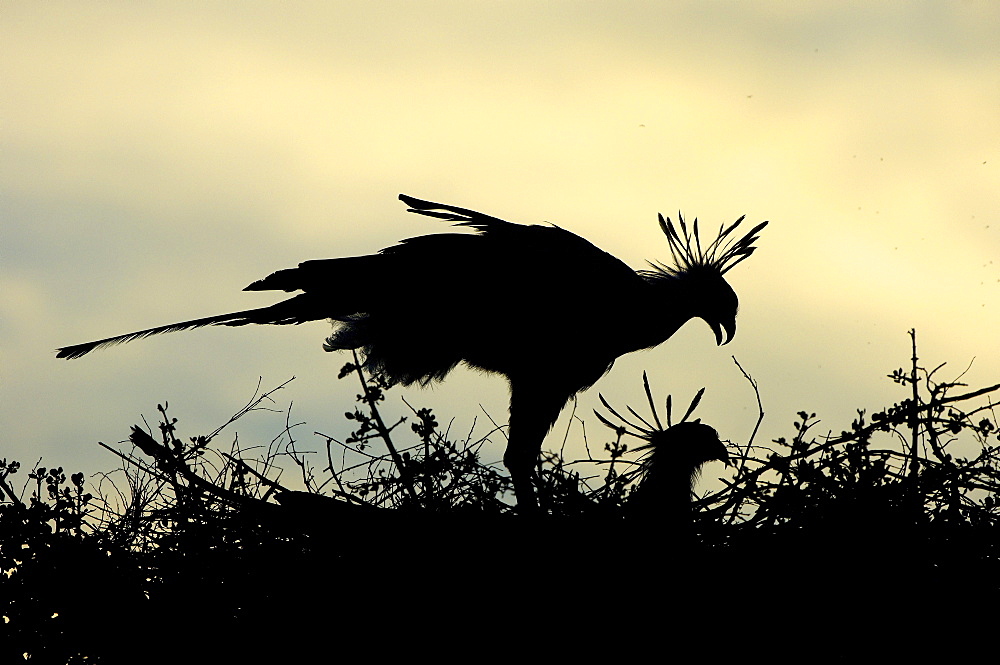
537,304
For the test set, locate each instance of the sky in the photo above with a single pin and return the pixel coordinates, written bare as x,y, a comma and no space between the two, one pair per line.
157,157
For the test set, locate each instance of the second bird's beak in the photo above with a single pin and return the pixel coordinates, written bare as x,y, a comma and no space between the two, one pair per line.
724,332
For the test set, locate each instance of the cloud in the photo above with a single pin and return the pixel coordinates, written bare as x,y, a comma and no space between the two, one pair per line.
159,157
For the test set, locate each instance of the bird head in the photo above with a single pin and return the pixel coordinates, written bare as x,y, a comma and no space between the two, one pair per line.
704,444
673,464
701,270
710,298
691,444
672,457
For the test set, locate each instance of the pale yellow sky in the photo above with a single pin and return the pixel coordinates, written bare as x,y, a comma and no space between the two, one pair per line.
156,158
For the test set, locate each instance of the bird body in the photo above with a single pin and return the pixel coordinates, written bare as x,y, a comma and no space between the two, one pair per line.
537,304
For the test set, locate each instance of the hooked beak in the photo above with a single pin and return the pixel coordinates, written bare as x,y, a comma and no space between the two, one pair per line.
724,332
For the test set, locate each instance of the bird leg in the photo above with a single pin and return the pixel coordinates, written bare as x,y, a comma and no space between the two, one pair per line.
533,411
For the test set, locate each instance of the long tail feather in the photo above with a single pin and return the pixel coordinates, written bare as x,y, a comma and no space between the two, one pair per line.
282,313
77,350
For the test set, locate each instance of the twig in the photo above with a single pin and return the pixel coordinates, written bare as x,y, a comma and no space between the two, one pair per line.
914,414
383,432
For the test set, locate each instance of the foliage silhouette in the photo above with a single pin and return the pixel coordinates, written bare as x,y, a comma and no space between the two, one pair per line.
890,525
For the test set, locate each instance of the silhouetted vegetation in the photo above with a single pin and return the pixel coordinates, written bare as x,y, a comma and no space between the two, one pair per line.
401,539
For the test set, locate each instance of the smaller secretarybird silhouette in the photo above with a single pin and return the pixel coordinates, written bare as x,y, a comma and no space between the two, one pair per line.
537,304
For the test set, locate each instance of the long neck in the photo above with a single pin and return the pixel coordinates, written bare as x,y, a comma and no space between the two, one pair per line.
666,491
673,484
662,308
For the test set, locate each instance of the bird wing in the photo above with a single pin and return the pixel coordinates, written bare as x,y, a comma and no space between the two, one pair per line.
531,289
502,253
318,273
463,216
557,250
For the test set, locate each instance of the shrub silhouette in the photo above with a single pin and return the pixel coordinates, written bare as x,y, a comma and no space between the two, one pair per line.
386,548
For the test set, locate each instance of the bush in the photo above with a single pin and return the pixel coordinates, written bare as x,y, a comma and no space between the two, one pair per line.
188,550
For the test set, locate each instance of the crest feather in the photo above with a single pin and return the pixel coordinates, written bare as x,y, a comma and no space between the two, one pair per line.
720,255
